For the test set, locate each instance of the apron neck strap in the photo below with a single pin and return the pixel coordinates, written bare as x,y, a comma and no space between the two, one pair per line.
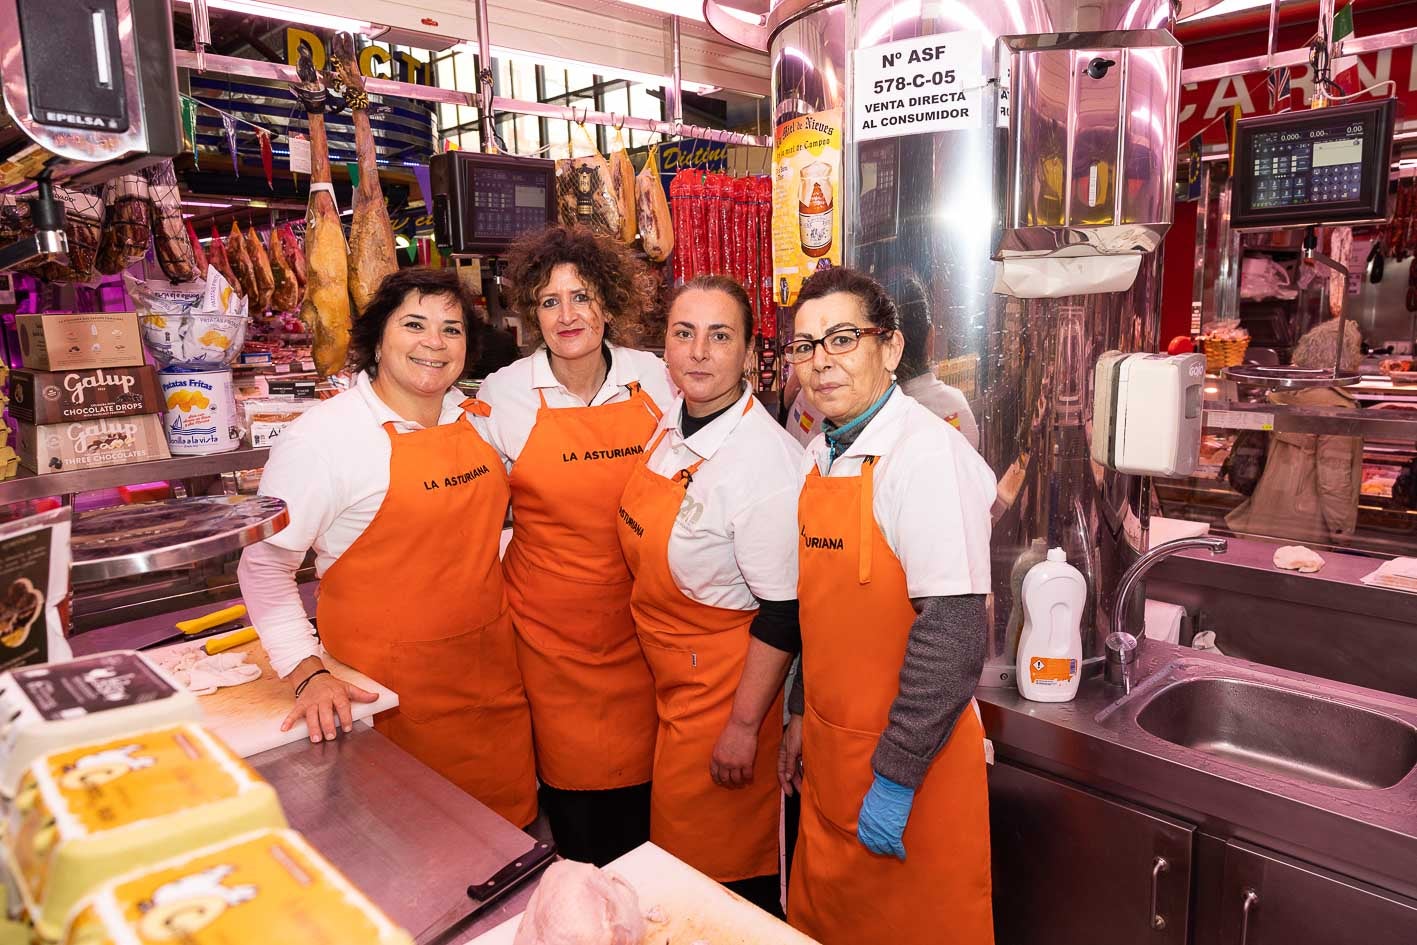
637,394
542,394
867,536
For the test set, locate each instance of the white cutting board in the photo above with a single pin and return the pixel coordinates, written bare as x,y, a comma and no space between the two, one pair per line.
695,907
248,717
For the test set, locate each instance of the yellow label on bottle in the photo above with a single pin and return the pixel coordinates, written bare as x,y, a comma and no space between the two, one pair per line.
1049,670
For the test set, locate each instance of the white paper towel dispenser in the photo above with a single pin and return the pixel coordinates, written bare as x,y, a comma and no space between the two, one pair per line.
1147,413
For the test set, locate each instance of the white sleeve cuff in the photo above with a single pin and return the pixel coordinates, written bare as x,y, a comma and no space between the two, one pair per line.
267,576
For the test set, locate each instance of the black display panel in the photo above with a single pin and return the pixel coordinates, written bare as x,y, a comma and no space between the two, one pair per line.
1323,165
482,202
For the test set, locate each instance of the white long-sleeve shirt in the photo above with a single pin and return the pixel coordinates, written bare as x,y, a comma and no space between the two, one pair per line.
332,469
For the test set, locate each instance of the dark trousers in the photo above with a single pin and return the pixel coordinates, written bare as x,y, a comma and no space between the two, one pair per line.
597,826
765,892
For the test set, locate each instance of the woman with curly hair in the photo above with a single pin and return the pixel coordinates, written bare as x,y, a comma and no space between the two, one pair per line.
572,420
372,479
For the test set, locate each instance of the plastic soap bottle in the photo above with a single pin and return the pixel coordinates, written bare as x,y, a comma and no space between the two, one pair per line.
1050,648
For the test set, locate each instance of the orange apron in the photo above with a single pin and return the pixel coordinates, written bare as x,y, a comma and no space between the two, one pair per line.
856,618
696,652
591,694
417,602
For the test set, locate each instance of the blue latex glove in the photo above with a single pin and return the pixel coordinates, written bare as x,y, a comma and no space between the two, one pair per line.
881,825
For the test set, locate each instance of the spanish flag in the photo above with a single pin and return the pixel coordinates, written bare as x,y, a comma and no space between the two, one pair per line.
806,421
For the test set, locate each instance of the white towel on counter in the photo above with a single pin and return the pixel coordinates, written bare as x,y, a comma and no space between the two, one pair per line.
1298,558
1163,621
201,674
1205,642
1399,574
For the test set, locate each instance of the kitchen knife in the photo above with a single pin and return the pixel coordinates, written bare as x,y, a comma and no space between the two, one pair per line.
208,625
485,893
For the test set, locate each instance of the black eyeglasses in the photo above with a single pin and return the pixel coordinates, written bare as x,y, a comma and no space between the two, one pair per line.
841,341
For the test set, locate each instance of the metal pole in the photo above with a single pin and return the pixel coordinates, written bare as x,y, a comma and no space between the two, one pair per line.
1273,32
1198,281
487,130
674,94
1326,37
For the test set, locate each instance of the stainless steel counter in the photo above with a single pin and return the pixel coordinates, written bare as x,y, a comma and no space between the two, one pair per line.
406,836
1096,741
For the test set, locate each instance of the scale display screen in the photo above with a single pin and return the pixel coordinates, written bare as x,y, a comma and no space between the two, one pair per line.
482,202
1326,165
508,201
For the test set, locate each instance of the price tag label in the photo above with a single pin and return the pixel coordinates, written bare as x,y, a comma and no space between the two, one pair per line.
299,154
919,86
1239,420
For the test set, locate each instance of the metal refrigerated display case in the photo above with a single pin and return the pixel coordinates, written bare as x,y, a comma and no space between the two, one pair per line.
1387,424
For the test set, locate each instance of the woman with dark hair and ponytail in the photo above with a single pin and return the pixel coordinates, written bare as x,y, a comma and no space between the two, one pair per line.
707,523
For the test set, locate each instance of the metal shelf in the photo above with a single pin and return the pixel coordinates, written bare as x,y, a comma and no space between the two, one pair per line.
28,485
125,540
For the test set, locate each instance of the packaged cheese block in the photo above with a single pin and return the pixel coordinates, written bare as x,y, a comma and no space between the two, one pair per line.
50,707
92,812
268,886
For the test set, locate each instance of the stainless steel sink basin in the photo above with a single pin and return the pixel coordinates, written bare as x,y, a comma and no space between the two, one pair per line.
1285,732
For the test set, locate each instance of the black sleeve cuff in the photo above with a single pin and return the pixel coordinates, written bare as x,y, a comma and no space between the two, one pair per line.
776,625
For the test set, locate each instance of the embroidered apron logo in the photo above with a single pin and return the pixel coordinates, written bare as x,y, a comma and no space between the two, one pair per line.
635,526
461,479
590,455
812,541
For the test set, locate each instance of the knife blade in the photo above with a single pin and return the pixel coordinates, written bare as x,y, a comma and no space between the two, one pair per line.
483,894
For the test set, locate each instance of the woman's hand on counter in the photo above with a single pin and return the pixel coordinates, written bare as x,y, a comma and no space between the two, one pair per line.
789,757
733,756
324,702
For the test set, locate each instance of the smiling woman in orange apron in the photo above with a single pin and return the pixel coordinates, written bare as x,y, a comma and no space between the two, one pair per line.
572,420
707,522
403,502
893,525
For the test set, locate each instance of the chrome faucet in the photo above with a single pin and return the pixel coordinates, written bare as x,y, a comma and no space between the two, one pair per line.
1123,647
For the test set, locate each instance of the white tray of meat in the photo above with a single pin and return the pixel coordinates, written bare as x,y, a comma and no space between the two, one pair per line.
678,905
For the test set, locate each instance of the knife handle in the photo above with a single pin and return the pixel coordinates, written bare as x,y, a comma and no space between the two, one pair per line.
513,873
237,638
198,624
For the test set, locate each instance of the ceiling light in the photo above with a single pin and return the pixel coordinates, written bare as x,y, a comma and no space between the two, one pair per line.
276,11
1223,8
655,81
688,9
206,203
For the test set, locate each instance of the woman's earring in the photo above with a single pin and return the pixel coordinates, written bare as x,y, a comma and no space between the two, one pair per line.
377,356
893,377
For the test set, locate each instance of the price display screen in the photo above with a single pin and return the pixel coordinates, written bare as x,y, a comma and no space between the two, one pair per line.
1323,165
508,201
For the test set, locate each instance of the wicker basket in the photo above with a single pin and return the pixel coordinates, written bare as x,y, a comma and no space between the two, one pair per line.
1225,353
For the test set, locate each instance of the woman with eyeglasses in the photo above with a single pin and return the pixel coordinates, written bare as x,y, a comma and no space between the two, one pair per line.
572,420
707,522
893,569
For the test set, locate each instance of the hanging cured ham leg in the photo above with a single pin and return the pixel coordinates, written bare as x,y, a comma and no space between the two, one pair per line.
371,235
325,307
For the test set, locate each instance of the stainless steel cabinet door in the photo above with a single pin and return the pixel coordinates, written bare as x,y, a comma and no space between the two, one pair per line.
1076,868
1271,900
